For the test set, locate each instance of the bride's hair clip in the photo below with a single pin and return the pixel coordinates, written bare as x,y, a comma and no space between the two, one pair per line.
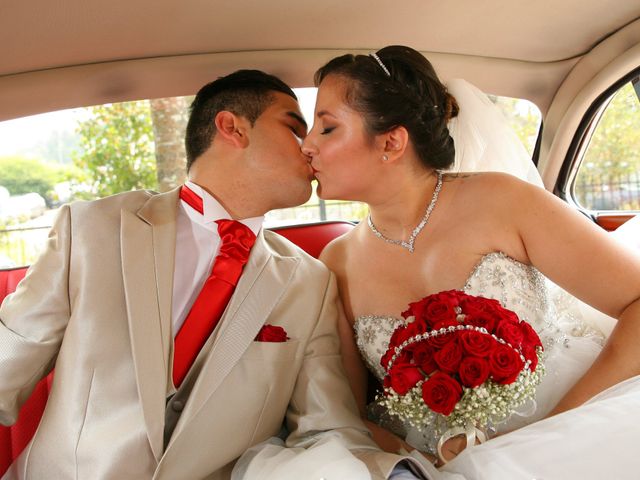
377,59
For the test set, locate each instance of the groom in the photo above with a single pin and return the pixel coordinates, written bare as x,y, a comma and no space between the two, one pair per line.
182,332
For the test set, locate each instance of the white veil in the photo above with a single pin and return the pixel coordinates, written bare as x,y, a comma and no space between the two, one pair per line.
483,140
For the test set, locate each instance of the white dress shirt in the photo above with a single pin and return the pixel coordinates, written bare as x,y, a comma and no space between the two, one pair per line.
197,244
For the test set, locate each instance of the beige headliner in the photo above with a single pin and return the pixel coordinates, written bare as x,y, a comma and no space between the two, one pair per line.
80,52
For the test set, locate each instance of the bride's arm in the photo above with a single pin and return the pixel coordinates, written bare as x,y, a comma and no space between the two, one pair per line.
354,366
357,375
584,260
618,361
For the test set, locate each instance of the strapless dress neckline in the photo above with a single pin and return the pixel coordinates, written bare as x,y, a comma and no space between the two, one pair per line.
467,284
570,344
493,276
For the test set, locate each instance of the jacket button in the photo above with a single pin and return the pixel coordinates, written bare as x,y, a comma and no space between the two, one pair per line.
177,406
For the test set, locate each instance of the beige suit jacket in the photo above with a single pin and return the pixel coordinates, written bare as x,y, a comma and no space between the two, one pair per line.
97,306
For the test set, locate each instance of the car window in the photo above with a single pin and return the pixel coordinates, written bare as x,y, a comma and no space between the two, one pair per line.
86,153
608,175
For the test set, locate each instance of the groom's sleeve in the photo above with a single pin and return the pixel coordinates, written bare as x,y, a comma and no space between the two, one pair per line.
33,320
322,406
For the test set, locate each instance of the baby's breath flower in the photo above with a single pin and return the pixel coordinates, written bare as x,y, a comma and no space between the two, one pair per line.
486,405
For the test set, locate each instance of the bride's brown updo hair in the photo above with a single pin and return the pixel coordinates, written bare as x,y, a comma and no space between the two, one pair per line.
409,95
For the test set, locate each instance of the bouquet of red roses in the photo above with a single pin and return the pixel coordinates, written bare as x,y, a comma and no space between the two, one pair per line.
460,361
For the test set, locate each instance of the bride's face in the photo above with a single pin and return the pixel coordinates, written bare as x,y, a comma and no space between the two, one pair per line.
340,149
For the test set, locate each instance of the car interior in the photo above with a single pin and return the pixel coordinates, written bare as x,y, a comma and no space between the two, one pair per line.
568,58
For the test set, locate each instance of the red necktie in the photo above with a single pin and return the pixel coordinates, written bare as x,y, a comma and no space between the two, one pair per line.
236,241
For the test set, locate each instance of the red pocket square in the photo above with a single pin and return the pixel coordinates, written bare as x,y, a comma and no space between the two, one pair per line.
272,333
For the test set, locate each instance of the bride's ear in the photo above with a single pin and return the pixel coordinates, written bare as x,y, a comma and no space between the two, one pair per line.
393,144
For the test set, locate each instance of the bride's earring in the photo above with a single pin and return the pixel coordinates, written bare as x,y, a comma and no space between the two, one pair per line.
385,158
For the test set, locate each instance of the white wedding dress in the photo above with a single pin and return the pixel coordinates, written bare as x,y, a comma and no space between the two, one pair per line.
604,431
595,441
570,345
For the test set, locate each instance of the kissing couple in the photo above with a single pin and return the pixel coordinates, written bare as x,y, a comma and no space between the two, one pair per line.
159,311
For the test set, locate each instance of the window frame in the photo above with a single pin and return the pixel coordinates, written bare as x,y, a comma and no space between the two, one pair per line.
565,184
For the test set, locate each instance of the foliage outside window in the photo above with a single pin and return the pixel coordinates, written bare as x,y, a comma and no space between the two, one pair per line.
609,174
116,149
20,176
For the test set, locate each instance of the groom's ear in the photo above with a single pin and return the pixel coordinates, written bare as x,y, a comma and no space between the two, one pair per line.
394,143
231,129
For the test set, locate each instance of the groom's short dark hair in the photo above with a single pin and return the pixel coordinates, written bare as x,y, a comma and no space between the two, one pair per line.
246,93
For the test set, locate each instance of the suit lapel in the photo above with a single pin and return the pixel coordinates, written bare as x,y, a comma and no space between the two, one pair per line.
264,280
148,248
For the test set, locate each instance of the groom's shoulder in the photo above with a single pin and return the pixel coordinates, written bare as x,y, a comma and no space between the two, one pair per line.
108,210
126,200
286,248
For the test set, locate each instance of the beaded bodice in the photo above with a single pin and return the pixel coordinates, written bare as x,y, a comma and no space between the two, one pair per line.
520,288
570,345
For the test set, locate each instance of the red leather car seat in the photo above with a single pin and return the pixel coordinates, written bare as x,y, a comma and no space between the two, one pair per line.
13,439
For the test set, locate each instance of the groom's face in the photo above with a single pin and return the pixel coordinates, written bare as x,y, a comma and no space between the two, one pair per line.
276,161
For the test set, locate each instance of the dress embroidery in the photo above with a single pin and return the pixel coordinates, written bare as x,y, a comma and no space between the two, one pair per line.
520,288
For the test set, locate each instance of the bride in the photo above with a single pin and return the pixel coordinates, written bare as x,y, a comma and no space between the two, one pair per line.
383,135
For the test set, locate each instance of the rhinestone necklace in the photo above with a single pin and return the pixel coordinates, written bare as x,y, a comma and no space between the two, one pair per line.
412,238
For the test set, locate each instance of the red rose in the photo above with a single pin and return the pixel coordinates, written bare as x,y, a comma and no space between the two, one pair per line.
449,322
473,371
404,358
403,378
448,357
505,364
530,336
440,310
508,315
422,353
531,353
472,302
417,327
399,335
442,339
415,309
510,332
435,308
484,320
441,393
476,343
272,333
481,312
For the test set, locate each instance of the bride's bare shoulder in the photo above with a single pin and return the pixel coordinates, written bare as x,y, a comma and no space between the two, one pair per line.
482,177
335,253
491,184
